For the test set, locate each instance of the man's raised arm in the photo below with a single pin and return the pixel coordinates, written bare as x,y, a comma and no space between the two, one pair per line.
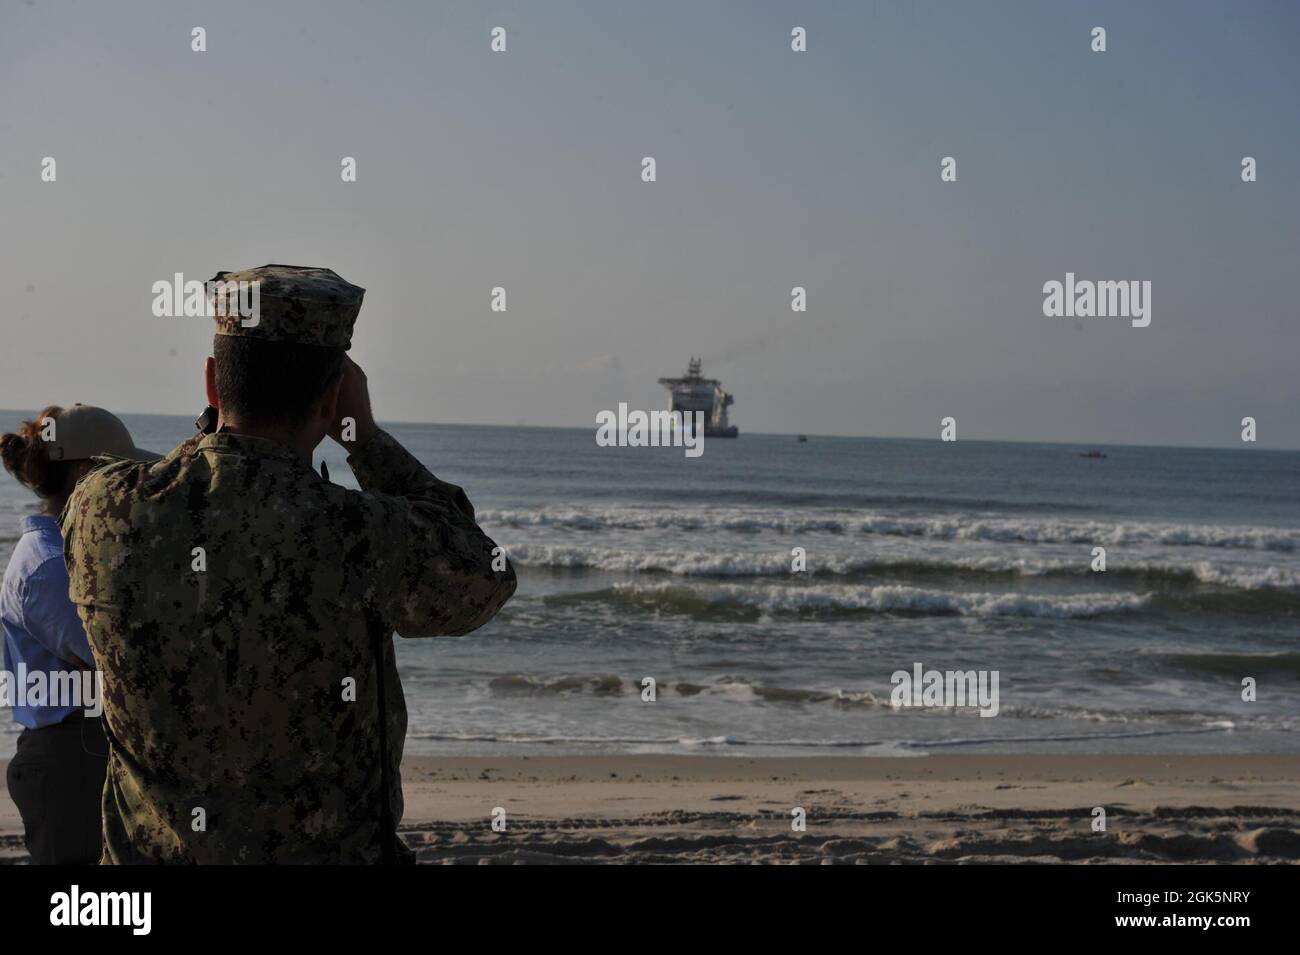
443,575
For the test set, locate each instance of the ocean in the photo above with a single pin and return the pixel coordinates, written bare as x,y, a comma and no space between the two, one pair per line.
640,563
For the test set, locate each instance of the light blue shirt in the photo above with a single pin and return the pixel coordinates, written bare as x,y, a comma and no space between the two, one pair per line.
41,626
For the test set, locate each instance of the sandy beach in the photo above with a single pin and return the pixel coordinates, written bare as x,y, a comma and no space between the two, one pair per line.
944,809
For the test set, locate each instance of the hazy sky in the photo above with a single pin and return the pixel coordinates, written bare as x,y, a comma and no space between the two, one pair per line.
775,169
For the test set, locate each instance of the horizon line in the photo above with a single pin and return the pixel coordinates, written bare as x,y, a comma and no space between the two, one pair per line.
795,434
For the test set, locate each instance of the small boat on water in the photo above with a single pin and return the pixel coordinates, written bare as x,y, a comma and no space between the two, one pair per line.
803,439
1091,454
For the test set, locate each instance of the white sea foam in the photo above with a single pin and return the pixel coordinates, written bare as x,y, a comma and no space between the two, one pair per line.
778,599
941,527
893,747
1246,578
699,563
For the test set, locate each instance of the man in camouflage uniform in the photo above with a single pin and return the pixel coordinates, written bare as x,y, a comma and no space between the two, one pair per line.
241,607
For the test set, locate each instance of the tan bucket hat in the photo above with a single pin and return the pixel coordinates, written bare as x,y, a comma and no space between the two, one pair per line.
84,431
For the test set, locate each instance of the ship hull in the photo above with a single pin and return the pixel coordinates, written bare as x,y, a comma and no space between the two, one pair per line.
696,397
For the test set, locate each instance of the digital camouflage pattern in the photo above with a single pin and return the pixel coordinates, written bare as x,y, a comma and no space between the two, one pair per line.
296,303
225,687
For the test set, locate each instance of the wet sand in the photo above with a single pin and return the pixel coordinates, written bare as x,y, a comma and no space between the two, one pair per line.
937,809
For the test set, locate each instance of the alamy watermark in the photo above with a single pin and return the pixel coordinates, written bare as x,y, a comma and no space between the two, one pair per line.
651,429
81,689
133,910
211,299
1083,298
948,689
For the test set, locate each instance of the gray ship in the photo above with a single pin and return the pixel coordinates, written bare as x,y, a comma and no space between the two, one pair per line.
695,393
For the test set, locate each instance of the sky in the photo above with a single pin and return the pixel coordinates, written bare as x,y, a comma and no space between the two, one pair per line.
775,169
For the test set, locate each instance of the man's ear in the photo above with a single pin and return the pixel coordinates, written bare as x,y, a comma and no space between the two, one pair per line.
210,381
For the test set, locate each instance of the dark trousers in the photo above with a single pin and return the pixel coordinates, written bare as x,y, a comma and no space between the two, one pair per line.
56,780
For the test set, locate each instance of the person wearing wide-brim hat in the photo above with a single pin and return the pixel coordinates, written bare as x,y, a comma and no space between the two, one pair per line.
56,779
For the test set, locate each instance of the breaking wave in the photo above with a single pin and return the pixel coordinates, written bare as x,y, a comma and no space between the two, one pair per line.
940,527
736,689
777,565
734,600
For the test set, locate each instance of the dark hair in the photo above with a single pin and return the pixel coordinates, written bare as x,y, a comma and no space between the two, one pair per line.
264,383
27,458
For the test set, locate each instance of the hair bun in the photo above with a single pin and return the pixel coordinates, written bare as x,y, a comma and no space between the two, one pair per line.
24,455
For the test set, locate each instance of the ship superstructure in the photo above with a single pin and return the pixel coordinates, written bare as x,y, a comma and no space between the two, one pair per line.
696,393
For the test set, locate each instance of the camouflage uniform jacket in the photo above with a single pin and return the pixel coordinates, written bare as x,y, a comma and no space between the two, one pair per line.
241,698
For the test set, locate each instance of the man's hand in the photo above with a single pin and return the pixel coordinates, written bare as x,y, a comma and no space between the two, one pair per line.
354,403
